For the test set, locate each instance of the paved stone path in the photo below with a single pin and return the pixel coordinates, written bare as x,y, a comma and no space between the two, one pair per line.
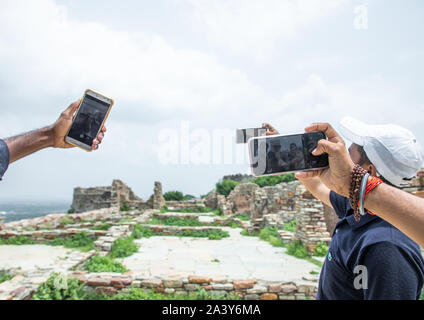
238,257
32,257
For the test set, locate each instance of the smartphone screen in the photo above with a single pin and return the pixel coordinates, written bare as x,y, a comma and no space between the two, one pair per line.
288,153
88,120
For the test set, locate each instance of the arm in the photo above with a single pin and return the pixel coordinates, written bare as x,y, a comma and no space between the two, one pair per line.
318,189
401,209
51,136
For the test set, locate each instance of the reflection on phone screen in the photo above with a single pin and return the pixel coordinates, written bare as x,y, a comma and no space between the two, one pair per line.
88,120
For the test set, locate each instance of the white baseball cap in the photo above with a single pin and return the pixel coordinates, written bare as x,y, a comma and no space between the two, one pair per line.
392,149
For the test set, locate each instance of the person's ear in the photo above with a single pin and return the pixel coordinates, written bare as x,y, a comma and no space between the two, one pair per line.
372,170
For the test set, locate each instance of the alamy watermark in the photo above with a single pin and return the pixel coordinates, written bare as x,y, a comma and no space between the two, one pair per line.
360,21
199,146
361,280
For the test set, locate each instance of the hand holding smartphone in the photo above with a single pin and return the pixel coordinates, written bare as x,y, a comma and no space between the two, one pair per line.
89,120
280,154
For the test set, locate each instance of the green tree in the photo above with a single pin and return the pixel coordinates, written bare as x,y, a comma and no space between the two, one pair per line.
226,186
174,196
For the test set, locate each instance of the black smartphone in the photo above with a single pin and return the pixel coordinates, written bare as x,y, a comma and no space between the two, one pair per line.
271,155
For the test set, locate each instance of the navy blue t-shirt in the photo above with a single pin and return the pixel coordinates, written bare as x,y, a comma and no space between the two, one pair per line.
394,264
4,158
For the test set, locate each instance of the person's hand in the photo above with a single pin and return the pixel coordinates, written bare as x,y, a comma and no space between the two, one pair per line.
61,127
337,176
271,131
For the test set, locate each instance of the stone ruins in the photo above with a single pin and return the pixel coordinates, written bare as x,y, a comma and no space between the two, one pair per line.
187,266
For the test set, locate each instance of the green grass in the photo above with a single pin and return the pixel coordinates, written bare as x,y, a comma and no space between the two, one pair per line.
244,217
271,236
104,264
4,276
314,272
294,248
197,209
321,249
249,234
422,295
214,234
290,226
297,249
103,226
141,232
81,241
17,241
123,247
125,220
186,222
71,289
65,220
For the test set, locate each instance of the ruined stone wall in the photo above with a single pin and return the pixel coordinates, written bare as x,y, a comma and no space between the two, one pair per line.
116,196
273,206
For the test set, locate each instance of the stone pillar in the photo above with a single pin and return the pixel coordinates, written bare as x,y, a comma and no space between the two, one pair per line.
158,199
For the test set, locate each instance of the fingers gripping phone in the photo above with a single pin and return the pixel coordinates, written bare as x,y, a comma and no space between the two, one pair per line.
271,155
89,119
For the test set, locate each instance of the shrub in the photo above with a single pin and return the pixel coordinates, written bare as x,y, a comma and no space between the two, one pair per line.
271,235
125,206
297,249
72,210
123,247
290,226
226,186
274,180
104,264
141,232
57,287
173,196
103,226
188,197
321,249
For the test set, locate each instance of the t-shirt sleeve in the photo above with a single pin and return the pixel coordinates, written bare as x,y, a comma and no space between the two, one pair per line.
4,158
339,204
391,274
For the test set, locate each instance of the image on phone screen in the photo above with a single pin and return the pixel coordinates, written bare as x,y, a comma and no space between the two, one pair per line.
288,153
88,120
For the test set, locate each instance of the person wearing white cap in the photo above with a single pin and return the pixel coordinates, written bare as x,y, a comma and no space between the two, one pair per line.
390,152
392,261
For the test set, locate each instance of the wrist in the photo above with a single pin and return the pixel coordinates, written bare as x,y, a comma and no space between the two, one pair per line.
47,138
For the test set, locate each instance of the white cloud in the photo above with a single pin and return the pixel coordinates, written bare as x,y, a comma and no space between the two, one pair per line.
44,52
254,27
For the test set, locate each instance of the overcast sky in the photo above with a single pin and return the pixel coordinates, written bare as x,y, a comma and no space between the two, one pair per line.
206,65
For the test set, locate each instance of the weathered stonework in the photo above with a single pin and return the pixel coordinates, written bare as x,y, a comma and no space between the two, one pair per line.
116,196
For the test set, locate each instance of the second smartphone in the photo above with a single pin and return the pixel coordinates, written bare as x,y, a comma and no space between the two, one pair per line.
280,154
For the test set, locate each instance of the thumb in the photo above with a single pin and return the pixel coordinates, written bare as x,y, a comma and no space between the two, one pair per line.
69,112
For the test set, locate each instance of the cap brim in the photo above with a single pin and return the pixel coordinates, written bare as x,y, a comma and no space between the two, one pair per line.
354,130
